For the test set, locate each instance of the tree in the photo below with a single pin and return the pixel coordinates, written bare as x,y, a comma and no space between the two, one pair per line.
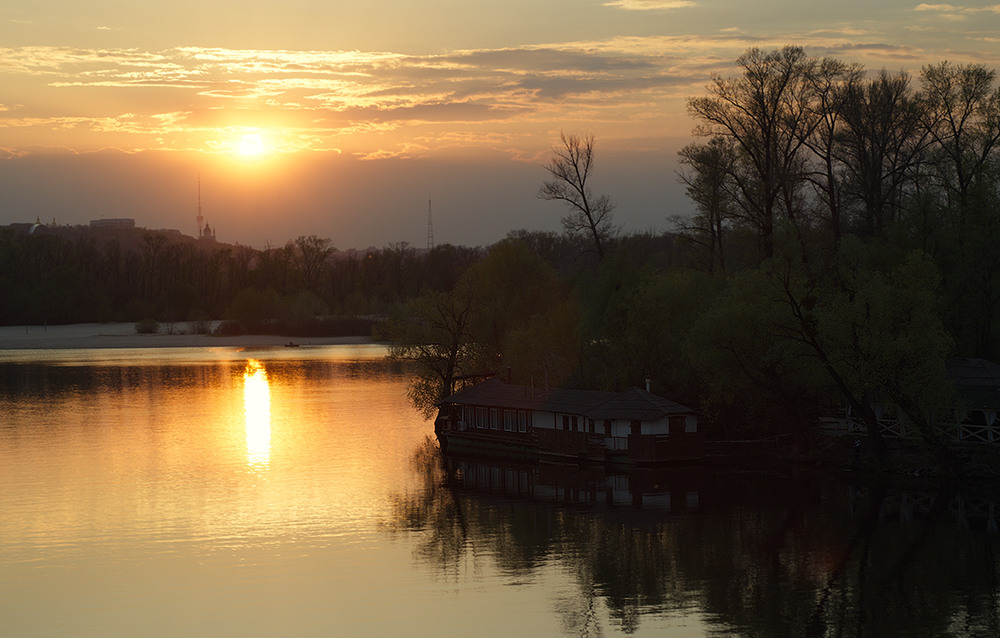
766,114
435,336
827,82
571,168
963,118
881,142
501,317
311,257
860,335
709,185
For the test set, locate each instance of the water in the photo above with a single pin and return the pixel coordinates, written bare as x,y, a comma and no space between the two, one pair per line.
192,492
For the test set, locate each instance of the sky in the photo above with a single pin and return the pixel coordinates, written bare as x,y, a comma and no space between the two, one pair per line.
352,121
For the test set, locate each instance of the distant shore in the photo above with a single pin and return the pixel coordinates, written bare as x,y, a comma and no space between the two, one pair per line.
123,335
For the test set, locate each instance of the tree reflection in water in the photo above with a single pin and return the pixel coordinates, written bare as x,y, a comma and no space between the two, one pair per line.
756,553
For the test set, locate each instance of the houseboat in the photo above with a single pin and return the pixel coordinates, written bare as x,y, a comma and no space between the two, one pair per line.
634,427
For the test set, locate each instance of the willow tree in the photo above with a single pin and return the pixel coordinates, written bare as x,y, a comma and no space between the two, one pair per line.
782,343
498,319
435,335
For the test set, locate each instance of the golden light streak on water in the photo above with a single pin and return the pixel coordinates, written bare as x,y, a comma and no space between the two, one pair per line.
257,408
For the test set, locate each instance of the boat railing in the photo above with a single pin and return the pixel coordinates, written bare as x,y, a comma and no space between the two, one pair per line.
616,443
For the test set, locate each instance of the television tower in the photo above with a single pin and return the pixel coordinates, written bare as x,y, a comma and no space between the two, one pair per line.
201,220
430,227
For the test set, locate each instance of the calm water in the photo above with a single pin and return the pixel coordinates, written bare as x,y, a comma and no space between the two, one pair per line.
293,492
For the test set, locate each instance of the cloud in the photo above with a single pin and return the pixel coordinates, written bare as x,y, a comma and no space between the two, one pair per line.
649,5
956,11
190,97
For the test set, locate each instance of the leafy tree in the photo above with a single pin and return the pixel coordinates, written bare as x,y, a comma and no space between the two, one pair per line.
435,335
545,349
755,380
511,284
859,335
646,323
879,338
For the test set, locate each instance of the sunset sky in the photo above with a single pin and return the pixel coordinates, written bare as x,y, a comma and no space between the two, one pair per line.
341,119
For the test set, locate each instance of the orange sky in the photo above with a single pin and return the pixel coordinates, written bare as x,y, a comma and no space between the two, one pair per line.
311,117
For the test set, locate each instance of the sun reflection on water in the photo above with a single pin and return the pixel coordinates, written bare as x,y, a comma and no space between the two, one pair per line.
257,407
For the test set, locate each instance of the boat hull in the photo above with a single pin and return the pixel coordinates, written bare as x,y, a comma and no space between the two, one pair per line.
575,449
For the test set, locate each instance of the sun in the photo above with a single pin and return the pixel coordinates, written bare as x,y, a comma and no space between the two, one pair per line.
251,145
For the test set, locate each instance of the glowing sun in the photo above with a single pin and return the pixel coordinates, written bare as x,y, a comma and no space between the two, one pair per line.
251,145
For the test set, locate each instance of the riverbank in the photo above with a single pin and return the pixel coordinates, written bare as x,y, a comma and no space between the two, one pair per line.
972,465
123,335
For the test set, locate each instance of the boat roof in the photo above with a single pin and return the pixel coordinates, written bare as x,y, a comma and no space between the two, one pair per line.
636,404
632,404
976,381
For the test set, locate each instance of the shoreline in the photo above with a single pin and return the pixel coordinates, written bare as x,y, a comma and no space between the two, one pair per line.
123,335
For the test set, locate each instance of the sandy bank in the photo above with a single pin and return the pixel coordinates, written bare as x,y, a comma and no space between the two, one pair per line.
123,335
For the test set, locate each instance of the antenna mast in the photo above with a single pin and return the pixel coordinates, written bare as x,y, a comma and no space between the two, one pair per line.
201,220
430,227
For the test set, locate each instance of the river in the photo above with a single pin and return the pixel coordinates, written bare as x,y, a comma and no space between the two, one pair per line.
294,492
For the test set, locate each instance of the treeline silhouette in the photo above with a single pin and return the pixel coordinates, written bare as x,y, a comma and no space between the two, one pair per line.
73,275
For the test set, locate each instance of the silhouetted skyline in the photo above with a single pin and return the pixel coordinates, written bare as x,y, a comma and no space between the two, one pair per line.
306,117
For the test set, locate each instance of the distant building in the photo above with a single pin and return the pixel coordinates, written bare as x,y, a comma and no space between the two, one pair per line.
31,228
205,232
117,223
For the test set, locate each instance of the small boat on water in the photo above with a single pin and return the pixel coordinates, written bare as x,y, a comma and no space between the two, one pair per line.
291,344
634,427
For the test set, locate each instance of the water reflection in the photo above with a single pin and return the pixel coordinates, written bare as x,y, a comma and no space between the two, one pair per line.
257,410
748,552
126,497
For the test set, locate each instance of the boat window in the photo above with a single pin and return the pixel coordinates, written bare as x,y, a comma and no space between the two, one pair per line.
509,420
494,418
522,421
576,424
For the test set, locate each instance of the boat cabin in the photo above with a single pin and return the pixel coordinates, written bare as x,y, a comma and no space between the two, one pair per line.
630,427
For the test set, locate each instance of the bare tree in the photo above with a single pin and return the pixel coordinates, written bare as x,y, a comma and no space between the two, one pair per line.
880,143
766,114
570,169
963,117
827,81
710,187
311,256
